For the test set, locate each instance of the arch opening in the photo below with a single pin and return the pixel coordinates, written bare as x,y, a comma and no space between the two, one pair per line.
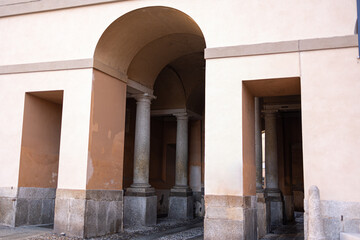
158,52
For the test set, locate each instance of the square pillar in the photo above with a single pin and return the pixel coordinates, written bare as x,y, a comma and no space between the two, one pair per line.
89,198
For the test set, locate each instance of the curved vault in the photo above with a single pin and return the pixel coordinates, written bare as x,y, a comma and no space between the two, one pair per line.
181,84
142,42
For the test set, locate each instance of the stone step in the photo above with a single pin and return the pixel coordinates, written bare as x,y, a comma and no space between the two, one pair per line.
349,236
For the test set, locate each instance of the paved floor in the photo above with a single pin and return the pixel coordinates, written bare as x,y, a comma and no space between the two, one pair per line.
25,232
164,230
292,231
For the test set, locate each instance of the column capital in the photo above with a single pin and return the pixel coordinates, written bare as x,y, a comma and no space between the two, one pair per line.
143,97
181,116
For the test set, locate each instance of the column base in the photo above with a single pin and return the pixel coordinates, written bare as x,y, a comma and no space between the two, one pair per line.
274,207
181,203
140,211
140,191
88,213
230,217
262,226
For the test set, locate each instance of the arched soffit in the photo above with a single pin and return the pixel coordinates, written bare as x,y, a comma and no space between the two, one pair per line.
191,70
150,60
182,84
129,35
196,101
169,91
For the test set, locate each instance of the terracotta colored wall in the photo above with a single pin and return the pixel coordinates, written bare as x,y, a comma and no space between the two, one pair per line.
107,128
164,160
40,144
195,155
156,151
130,119
249,168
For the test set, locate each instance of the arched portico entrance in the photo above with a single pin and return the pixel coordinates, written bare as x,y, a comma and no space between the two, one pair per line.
148,64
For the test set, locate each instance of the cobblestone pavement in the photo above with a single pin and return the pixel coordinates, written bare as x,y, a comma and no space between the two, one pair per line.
165,230
292,231
25,232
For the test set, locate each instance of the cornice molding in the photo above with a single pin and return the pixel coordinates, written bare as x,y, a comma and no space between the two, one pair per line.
282,47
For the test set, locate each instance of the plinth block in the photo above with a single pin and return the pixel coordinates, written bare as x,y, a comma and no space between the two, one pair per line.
140,211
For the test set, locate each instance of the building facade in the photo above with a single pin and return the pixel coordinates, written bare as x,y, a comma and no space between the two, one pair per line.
114,112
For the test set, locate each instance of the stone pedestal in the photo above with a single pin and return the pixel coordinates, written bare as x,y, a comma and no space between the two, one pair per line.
274,207
140,210
262,226
230,217
88,213
181,204
27,206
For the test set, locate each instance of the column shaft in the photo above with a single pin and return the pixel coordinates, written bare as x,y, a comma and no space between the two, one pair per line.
181,175
142,142
271,161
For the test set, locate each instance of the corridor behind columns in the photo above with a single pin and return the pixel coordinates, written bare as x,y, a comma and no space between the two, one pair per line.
278,152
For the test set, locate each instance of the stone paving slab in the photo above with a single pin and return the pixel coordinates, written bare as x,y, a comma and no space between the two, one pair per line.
164,230
292,231
26,232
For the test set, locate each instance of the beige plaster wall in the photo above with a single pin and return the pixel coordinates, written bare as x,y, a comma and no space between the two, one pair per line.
39,159
73,33
330,90
75,123
106,137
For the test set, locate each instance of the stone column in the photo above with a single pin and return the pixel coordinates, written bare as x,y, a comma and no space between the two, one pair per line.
261,205
142,143
140,202
273,194
181,201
